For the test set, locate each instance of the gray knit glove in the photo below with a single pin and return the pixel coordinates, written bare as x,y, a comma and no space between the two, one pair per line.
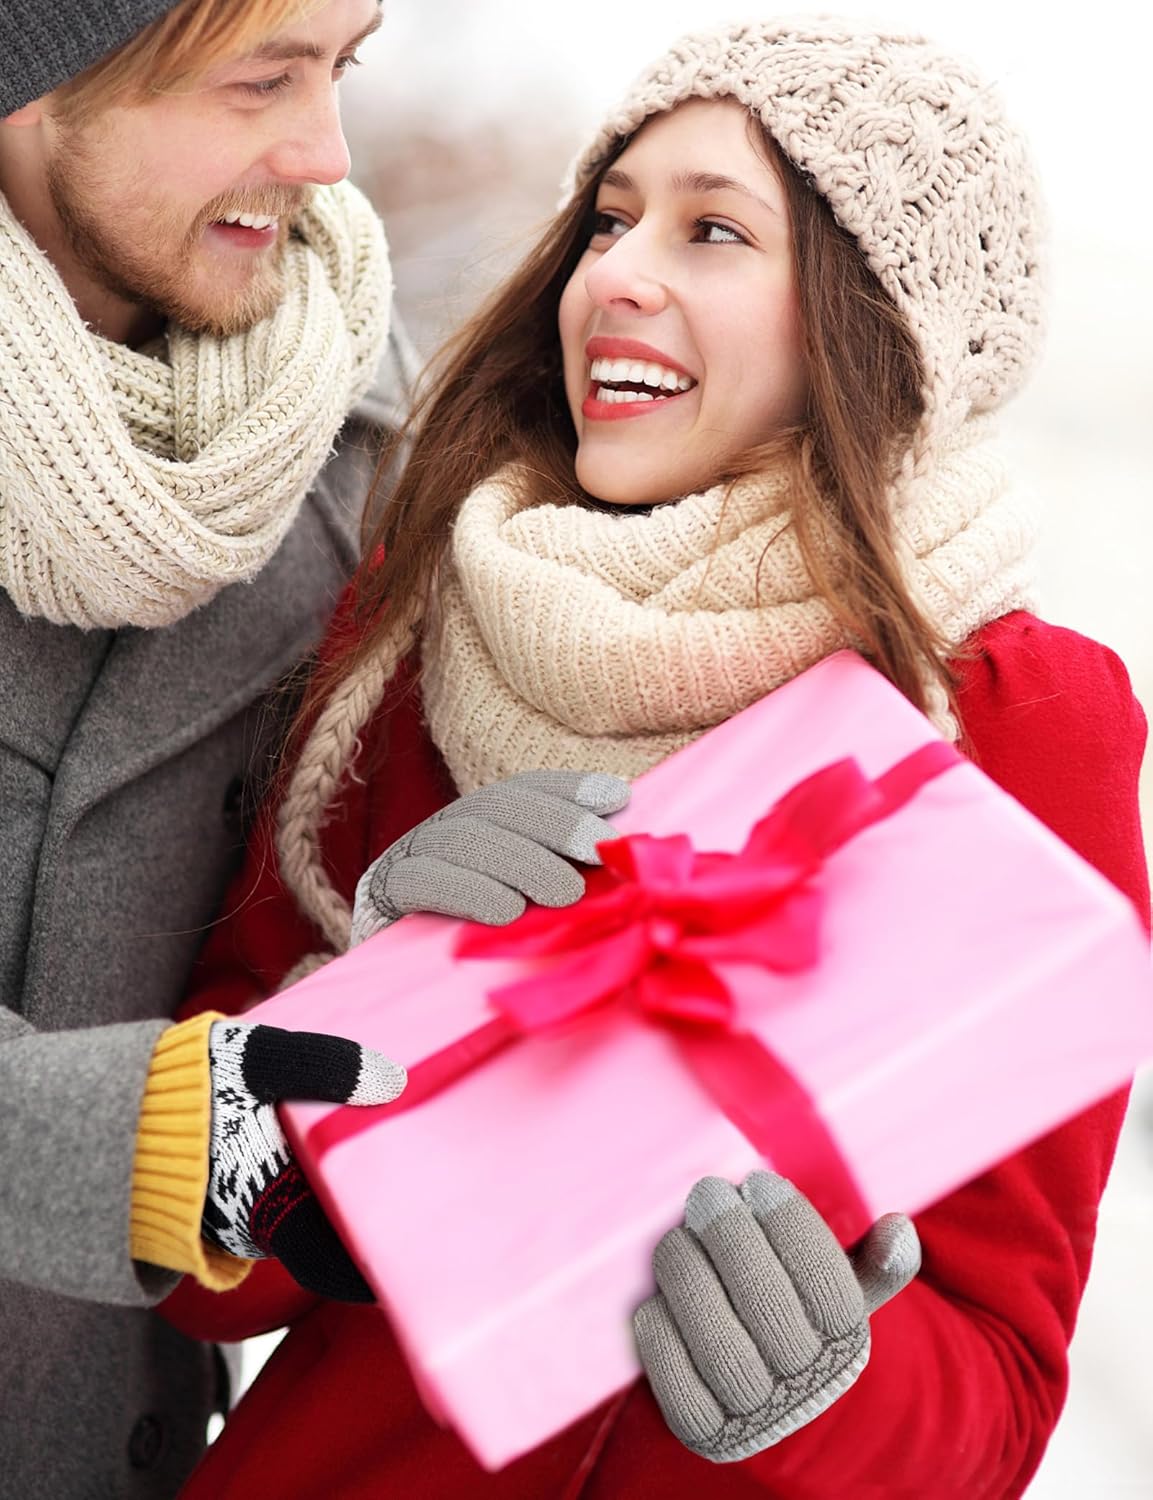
484,854
762,1320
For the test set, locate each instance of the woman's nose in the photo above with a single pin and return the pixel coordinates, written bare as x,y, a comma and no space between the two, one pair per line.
628,275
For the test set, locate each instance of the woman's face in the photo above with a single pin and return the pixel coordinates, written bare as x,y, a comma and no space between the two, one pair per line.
679,326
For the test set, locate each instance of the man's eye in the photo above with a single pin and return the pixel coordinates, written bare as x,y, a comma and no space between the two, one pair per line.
267,86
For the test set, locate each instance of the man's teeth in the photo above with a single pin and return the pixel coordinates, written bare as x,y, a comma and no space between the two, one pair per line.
606,373
251,221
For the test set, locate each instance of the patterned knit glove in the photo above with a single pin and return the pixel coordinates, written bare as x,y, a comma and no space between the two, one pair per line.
761,1320
482,855
258,1203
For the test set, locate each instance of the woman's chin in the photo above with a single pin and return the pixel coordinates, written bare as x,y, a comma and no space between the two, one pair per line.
615,484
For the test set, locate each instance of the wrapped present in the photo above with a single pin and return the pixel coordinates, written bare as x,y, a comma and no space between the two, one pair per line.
826,941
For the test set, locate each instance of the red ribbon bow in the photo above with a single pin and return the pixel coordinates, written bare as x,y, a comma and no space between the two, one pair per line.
659,917
654,925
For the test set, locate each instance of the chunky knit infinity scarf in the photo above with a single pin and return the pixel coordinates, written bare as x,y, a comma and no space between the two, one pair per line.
567,637
132,489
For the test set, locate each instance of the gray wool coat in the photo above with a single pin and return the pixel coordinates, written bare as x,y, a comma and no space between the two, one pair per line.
128,763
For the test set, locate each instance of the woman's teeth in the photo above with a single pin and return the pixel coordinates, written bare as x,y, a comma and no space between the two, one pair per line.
251,221
608,374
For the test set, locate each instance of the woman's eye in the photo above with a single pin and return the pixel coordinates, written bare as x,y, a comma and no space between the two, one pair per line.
608,224
710,232
343,64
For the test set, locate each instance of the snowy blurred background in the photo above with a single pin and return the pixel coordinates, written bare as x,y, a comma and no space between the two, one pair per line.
461,123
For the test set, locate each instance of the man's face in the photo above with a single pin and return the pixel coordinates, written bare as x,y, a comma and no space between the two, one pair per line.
151,198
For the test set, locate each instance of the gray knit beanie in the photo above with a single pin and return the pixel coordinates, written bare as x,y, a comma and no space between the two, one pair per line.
43,43
915,158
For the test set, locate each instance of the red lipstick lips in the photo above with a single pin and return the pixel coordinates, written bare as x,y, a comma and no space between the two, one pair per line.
603,347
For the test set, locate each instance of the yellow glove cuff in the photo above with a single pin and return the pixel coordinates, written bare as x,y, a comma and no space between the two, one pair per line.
170,1170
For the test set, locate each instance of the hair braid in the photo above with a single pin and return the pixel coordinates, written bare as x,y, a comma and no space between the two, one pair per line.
325,758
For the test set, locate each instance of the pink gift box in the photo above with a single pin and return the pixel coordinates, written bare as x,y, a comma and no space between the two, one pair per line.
507,1223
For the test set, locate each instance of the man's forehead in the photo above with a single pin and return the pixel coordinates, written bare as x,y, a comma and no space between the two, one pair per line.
293,43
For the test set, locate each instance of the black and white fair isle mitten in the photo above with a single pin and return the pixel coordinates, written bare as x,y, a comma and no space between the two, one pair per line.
258,1202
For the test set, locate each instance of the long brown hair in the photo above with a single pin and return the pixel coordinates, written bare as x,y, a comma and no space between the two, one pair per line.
498,393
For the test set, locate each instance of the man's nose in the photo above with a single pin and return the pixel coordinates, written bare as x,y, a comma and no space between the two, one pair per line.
315,152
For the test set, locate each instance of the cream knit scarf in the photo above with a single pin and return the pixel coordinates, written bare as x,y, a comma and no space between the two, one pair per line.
572,638
132,489
568,637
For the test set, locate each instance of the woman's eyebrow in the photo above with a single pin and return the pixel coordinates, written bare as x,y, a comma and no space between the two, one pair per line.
692,182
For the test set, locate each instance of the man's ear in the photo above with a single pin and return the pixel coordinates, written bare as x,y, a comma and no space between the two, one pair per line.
27,114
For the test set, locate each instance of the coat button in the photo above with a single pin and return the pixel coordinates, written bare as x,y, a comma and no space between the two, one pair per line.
234,807
146,1443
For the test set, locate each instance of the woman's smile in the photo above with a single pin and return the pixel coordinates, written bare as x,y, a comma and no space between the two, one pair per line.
682,310
630,379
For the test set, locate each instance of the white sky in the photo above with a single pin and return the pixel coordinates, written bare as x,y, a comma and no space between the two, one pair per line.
1079,78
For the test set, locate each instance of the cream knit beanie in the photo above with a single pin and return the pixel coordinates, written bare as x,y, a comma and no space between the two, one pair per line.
916,160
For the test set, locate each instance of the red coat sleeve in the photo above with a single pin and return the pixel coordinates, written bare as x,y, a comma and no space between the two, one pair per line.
262,934
968,1371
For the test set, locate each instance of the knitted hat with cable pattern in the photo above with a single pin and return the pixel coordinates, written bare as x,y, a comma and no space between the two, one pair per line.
914,156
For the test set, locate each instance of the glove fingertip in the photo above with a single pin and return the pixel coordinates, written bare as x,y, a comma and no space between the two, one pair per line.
504,906
564,887
710,1199
765,1192
381,1080
887,1259
602,793
647,1316
589,832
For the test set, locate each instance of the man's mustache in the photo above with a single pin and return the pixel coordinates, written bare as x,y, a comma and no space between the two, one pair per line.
274,203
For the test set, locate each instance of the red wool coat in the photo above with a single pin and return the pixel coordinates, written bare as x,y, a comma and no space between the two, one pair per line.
968,1370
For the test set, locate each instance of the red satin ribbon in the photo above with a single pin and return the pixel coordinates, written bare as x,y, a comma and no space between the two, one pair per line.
652,926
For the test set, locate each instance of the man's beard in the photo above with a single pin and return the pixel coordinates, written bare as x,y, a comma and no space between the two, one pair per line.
161,280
